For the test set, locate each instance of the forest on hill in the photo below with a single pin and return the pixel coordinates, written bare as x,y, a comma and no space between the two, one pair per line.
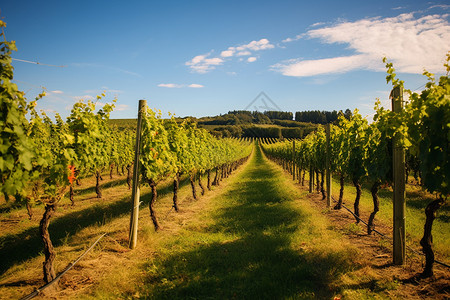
269,124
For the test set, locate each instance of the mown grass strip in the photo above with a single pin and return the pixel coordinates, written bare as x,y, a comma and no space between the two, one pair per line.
255,242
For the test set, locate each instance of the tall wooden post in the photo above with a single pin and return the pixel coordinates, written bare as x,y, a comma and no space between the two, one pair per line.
293,159
311,179
328,165
135,192
398,155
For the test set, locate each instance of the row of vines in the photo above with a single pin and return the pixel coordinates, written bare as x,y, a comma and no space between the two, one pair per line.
360,151
42,158
170,149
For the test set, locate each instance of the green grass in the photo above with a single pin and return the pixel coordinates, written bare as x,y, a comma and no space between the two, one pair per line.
255,243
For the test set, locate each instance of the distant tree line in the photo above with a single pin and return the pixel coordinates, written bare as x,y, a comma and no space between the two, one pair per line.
282,118
321,117
236,117
279,115
262,131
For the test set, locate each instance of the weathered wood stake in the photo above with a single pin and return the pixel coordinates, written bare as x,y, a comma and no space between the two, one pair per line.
399,184
293,160
328,165
135,192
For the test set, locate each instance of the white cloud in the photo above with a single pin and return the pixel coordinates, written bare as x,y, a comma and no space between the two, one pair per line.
297,37
315,25
251,59
170,85
57,92
304,68
177,86
412,44
441,6
243,53
198,59
262,44
228,53
195,85
203,63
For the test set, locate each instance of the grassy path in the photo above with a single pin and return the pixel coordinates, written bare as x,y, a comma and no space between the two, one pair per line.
255,242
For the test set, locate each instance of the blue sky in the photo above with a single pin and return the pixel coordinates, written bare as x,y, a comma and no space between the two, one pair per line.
203,58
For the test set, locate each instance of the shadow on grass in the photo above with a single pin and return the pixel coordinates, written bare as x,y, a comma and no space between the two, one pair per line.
27,244
17,248
416,199
91,189
9,206
78,190
260,262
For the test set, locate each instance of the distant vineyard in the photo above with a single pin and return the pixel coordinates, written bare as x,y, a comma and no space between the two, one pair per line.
123,123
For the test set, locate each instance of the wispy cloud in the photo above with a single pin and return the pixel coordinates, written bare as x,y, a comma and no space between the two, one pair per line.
170,85
204,63
412,44
121,107
304,68
243,53
195,86
262,44
57,92
103,89
84,97
298,36
251,59
441,6
317,24
178,86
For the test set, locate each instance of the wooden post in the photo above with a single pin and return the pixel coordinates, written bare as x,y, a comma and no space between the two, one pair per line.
135,193
328,165
398,155
293,159
311,179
